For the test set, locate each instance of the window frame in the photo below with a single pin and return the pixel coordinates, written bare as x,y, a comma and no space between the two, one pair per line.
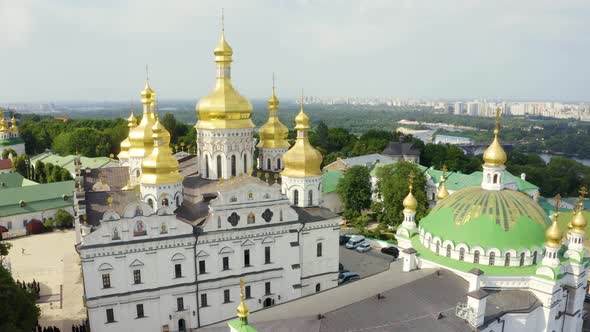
180,304
226,296
139,313
267,255
177,271
110,312
225,263
106,281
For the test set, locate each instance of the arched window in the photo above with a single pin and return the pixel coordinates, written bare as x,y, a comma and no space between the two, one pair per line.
281,215
476,257
319,249
177,201
218,221
219,167
317,287
165,202
207,166
268,164
489,178
521,263
433,196
448,250
462,254
534,258
495,178
245,163
151,203
310,196
437,247
279,163
492,258
507,259
137,173
296,197
233,165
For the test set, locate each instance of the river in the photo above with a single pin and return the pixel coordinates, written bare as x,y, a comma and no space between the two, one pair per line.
546,157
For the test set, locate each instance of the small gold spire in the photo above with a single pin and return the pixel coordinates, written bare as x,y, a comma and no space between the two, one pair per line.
553,235
442,187
495,154
410,203
110,201
242,310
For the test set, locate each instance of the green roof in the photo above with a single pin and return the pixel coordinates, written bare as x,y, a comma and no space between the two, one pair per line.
37,198
457,180
240,326
505,219
11,141
14,180
67,162
330,181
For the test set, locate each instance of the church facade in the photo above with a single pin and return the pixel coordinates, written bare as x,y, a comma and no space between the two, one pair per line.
163,251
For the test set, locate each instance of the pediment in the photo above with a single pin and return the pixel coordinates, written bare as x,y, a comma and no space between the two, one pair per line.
136,263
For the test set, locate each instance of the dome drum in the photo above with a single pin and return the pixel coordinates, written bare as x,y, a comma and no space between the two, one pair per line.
510,257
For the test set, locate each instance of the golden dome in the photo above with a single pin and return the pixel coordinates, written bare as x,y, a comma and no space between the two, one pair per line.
578,221
3,125
302,159
140,137
224,107
410,203
495,154
242,310
553,235
273,134
126,144
14,128
160,166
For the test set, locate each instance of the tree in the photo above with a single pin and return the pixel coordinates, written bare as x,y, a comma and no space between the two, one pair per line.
169,122
20,165
392,186
17,305
321,135
7,152
40,172
62,219
354,189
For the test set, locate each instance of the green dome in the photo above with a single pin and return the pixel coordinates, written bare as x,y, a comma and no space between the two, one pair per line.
503,219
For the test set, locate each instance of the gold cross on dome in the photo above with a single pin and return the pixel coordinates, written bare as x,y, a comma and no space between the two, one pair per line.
583,192
557,202
411,179
242,288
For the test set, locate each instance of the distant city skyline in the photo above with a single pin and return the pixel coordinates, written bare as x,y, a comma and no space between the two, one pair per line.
69,51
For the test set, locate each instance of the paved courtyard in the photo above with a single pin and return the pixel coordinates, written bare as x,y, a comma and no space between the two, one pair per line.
366,263
52,261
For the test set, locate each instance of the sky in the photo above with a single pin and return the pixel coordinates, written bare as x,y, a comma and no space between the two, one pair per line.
72,50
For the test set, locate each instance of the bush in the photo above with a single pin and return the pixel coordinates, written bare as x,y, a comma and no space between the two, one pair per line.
63,219
48,223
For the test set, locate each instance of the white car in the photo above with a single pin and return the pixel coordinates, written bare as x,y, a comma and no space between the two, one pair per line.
355,241
365,246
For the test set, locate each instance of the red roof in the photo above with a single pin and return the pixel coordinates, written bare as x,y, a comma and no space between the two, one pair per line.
5,164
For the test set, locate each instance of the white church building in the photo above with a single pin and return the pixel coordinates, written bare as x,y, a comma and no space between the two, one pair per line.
165,251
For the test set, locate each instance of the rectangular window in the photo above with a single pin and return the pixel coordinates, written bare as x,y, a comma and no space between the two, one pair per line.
178,270
248,295
226,296
106,280
319,249
267,288
136,277
266,255
139,309
247,257
203,300
110,316
202,268
225,263
179,304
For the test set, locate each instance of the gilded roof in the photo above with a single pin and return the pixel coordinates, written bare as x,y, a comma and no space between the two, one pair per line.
302,159
273,134
490,218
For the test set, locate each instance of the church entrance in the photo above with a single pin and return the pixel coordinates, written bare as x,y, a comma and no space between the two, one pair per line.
181,325
267,303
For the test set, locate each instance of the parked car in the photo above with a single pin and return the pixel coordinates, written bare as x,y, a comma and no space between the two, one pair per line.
344,239
355,241
365,246
346,277
393,251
